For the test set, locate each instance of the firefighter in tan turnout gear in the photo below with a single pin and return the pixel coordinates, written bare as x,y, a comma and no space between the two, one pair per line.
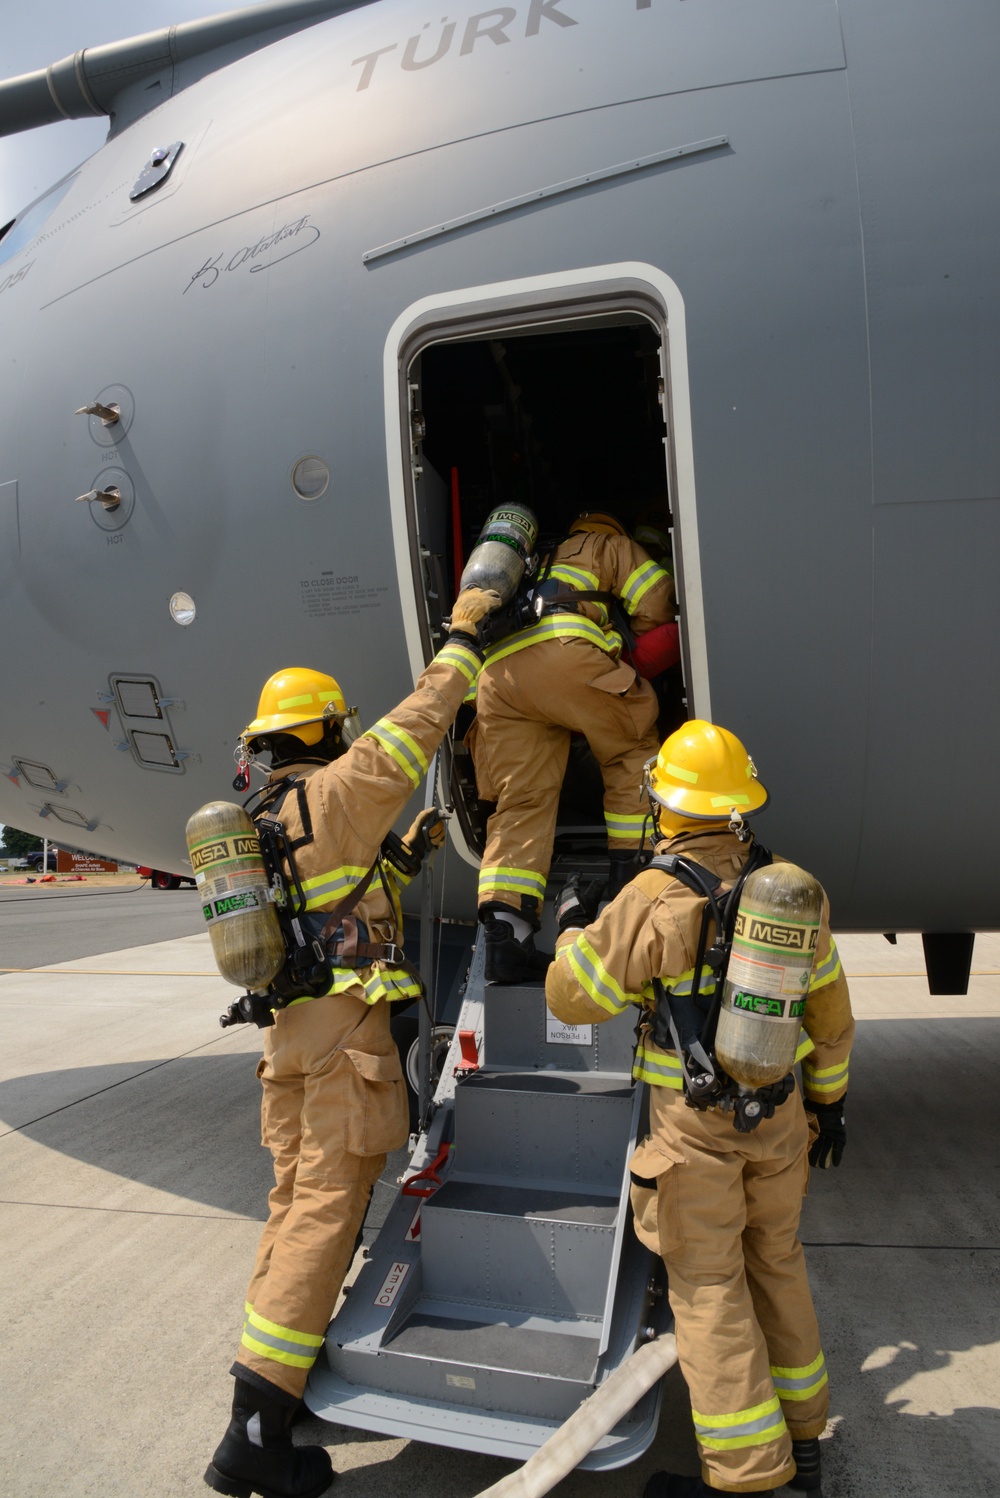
560,675
334,1099
716,1191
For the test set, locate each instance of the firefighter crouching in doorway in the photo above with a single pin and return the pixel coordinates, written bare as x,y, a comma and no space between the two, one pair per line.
720,1206
560,675
334,1099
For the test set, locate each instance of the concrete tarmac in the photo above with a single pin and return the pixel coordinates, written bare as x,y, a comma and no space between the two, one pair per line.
132,1192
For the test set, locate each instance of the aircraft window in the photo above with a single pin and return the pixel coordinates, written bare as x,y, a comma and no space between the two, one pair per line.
137,699
67,814
30,222
565,418
182,609
310,478
154,749
39,776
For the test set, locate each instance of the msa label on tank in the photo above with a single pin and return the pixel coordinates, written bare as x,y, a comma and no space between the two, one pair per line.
556,1033
761,930
391,1284
763,1008
223,849
224,907
770,980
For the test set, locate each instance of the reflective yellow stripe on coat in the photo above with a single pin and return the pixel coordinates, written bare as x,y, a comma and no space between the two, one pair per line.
404,750
639,582
557,627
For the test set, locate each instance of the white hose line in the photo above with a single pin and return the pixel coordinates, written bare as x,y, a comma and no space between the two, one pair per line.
596,1416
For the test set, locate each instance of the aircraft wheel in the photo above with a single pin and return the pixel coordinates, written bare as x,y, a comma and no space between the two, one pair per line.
406,1034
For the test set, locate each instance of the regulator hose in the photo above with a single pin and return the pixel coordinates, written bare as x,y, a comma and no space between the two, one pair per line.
567,1447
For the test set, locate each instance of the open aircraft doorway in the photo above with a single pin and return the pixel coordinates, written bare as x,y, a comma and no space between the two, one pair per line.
565,414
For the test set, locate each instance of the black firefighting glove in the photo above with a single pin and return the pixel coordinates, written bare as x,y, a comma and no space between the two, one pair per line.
577,902
426,833
829,1147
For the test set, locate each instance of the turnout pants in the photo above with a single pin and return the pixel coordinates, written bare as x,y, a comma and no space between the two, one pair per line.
334,1103
527,706
727,1214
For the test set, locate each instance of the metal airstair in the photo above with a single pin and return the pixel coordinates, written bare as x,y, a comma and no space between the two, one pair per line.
506,1283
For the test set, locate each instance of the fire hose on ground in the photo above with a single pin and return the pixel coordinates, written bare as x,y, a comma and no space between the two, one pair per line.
596,1416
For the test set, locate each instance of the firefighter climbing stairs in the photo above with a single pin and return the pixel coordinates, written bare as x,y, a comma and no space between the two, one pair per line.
506,1282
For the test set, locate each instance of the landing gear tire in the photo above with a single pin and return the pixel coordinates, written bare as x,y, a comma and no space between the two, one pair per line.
406,1034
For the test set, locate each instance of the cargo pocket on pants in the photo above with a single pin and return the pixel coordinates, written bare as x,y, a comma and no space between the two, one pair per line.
654,1199
377,1116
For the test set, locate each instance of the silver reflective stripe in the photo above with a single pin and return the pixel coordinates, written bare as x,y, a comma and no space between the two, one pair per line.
595,979
811,1381
253,1430
727,1432
280,1344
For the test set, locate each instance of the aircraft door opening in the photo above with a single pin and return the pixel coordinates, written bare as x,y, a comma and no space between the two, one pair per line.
565,416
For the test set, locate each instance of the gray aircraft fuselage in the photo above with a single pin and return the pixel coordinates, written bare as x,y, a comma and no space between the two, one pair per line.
798,196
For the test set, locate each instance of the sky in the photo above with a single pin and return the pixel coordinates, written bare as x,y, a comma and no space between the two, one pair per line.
34,36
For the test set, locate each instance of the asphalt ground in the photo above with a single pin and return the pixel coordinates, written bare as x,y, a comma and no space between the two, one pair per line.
102,914
132,1190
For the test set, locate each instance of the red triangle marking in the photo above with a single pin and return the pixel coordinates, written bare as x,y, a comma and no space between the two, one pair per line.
103,713
14,776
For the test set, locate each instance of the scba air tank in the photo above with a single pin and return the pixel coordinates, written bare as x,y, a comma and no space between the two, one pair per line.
500,556
767,980
235,895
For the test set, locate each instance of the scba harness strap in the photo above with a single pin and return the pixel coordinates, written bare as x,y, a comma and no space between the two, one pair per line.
686,1022
316,942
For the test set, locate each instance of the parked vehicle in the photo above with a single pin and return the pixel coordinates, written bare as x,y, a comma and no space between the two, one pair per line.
37,856
160,879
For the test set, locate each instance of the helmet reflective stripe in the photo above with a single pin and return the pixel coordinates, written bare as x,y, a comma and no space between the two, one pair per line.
293,699
800,1383
751,1427
639,582
702,772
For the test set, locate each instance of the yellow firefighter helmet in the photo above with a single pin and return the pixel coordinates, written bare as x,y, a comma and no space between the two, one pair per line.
703,774
297,701
597,520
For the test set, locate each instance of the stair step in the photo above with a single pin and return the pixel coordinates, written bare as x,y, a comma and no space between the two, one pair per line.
520,1032
568,1130
518,1248
493,1345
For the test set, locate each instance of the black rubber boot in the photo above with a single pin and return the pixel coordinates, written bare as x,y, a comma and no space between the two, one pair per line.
256,1455
808,1476
624,867
509,960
